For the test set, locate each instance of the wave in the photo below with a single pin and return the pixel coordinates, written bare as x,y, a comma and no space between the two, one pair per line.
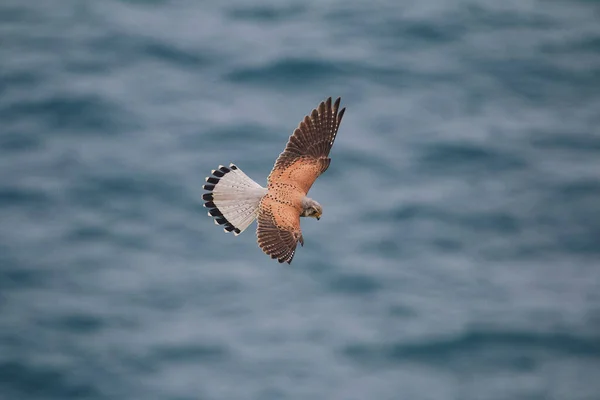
476,343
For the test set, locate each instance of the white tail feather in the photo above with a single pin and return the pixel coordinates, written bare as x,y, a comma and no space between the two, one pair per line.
233,198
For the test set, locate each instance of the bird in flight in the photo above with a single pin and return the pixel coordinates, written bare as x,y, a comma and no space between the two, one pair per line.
234,200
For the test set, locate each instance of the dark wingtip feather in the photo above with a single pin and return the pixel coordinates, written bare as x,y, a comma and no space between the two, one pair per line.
212,180
207,197
208,187
209,204
322,108
218,174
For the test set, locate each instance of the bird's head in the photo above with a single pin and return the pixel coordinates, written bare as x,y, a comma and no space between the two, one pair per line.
311,208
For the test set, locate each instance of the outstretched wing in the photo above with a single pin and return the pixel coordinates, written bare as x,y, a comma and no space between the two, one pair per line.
306,155
278,230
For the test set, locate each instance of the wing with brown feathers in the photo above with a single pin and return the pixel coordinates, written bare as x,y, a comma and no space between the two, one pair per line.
306,155
278,230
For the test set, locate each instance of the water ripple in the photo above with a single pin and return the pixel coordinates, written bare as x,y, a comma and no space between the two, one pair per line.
468,344
42,382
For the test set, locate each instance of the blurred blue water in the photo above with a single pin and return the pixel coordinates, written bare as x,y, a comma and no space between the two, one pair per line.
459,251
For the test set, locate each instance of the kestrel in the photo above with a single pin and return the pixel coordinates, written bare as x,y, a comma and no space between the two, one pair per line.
235,200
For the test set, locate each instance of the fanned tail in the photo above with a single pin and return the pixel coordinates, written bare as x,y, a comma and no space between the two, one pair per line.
233,198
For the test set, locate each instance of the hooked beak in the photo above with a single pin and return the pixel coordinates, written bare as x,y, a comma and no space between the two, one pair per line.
318,217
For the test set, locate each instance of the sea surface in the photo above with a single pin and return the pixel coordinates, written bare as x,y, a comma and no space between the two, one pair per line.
458,256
